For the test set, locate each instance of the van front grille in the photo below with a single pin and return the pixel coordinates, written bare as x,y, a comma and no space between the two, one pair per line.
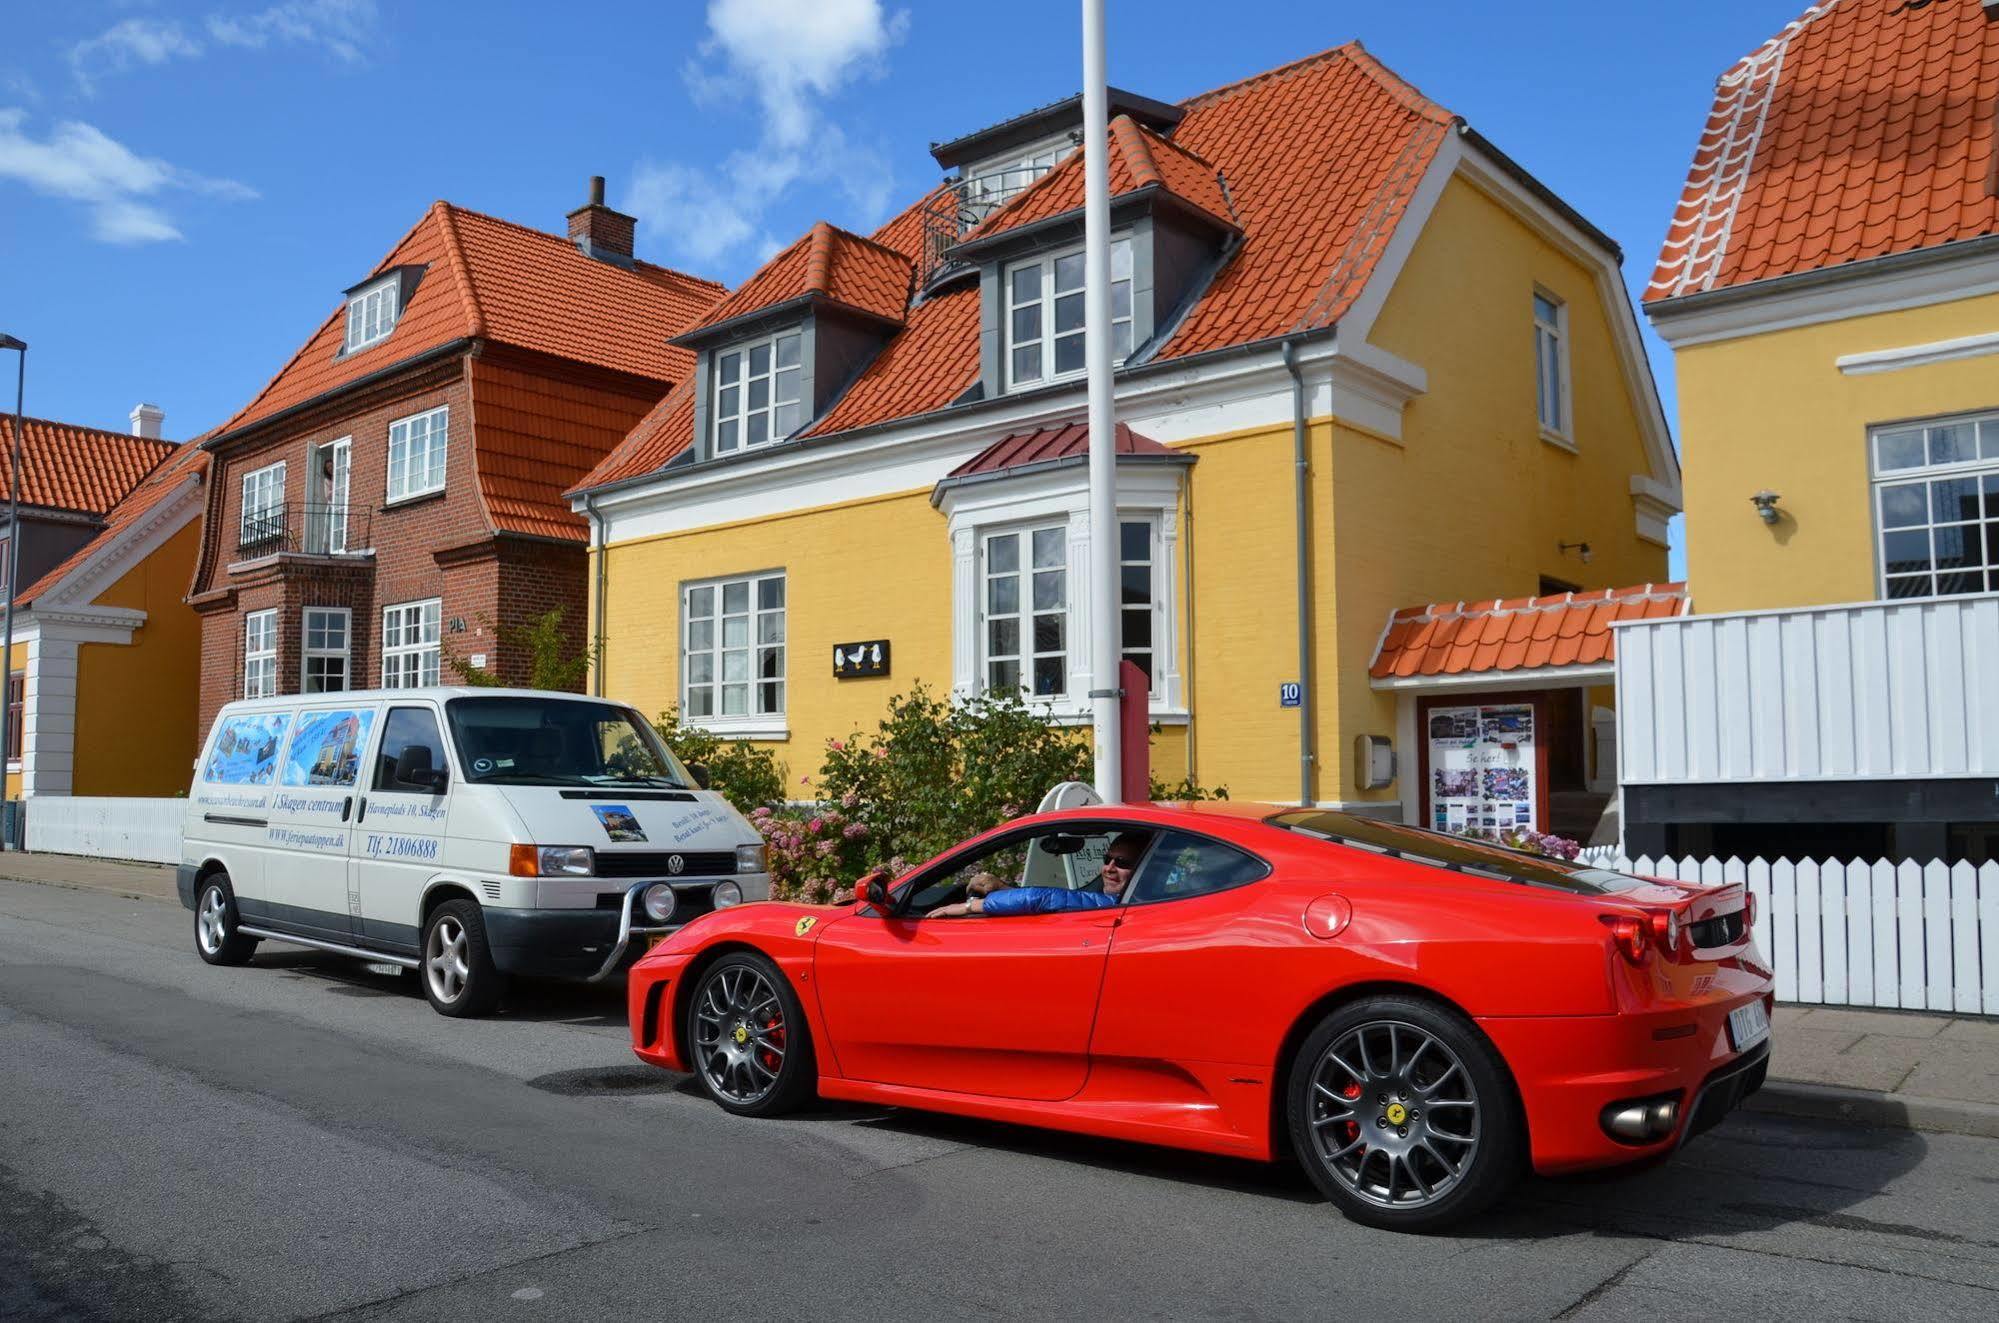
659,864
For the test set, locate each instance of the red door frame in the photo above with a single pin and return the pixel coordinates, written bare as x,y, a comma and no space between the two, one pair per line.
1536,698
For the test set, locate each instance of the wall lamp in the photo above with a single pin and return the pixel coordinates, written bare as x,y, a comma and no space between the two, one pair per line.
1765,502
1582,550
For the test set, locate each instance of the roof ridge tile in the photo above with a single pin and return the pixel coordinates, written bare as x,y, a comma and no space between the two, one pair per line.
461,271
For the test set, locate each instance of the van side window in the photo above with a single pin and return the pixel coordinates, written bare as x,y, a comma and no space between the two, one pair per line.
246,749
405,727
326,748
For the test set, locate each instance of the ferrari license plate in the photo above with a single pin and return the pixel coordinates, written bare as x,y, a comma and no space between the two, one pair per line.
1748,1026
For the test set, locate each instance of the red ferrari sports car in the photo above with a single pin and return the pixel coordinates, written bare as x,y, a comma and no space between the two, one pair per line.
1416,1017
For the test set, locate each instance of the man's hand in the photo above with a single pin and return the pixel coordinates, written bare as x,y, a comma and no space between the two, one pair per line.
960,910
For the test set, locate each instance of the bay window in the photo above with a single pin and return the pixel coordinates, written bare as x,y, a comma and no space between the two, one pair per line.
1027,610
326,639
260,654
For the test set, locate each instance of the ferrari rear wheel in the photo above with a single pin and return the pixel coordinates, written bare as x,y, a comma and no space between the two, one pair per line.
747,1039
1402,1114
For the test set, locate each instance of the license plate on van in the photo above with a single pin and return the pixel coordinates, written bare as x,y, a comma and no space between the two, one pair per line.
1748,1026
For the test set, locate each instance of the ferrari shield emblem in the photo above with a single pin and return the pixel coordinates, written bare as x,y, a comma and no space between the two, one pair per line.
1397,1114
805,925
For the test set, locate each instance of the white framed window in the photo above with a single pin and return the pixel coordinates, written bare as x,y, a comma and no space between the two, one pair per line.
732,649
1026,606
416,454
1138,597
756,392
326,636
263,514
371,314
1936,506
1044,315
260,654
991,185
326,511
1551,364
410,649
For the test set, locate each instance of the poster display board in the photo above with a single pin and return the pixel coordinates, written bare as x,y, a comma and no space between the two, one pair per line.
1483,771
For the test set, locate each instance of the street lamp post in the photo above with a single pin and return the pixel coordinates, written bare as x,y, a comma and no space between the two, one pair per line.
1105,622
20,347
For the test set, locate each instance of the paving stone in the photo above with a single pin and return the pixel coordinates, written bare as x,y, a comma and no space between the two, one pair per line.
1973,1031
1895,1024
1960,1071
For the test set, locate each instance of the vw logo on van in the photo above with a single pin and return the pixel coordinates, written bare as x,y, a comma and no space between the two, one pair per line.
676,865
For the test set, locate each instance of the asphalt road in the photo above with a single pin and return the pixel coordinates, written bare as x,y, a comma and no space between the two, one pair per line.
304,1138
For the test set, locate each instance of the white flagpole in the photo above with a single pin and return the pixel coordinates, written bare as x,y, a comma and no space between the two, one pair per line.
1106,646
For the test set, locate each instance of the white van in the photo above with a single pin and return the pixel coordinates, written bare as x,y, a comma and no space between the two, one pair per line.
465,834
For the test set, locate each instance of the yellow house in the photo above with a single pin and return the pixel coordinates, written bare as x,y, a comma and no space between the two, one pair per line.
109,651
1365,361
1830,288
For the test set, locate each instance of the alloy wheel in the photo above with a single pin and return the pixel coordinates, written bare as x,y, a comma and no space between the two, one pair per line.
739,1034
1395,1116
446,959
212,921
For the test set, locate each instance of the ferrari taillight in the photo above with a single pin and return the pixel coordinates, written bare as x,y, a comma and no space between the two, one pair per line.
1632,937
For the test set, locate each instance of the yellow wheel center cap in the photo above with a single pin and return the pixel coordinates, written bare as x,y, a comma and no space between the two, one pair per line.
1397,1113
742,1034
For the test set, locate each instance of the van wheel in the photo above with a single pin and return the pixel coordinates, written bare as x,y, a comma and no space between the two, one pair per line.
458,973
747,1038
215,937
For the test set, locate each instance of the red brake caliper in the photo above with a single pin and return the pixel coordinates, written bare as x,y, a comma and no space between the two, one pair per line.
1350,1130
775,1037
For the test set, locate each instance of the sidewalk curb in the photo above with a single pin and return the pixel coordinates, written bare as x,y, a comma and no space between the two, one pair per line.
1825,1102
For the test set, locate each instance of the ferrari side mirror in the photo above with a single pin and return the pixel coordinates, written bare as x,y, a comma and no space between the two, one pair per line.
872,889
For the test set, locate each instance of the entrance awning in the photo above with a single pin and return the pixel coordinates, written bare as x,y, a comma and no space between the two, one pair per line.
1563,639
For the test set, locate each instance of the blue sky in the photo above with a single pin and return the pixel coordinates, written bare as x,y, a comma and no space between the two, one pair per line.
186,185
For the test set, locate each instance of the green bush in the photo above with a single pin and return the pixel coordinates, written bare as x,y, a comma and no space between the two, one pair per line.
747,776
555,659
937,771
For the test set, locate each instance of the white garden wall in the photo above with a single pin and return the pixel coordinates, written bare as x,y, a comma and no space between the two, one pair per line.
106,827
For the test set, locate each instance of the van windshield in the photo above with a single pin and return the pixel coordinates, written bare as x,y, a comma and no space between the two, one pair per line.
558,741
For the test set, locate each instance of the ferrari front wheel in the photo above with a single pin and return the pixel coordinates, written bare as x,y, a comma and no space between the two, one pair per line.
1402,1114
747,1039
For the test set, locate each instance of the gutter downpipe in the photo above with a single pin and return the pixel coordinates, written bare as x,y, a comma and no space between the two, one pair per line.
597,534
1301,481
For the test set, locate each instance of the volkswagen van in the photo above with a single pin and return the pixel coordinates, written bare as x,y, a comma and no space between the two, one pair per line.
465,834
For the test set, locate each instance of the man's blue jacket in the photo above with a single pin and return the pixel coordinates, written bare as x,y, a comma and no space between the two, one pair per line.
1045,900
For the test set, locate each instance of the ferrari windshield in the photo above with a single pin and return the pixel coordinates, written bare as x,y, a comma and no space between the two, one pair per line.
1457,853
560,741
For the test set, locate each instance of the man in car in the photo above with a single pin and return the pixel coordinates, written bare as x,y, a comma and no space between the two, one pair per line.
1120,860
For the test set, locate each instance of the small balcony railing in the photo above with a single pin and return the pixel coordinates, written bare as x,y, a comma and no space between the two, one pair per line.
305,527
962,204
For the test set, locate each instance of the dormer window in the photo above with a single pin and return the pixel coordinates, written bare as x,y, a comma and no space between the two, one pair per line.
372,312
1045,314
757,392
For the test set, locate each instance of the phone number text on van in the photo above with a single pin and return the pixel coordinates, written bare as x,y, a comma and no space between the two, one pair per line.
401,847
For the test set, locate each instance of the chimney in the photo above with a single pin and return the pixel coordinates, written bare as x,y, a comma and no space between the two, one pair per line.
146,420
600,232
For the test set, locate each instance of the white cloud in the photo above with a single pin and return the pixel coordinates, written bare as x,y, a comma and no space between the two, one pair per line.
787,56
120,189
342,28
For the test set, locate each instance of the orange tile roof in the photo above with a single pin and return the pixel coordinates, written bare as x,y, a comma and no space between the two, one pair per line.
1319,159
66,467
831,263
1139,158
1516,634
1863,129
489,278
178,462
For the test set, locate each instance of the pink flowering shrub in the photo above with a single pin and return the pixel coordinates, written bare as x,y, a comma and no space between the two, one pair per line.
813,856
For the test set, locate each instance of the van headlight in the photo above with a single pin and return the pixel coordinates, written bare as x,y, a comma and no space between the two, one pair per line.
658,901
750,858
727,894
567,861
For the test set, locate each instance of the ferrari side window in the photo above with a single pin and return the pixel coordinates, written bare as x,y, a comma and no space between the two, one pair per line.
1182,865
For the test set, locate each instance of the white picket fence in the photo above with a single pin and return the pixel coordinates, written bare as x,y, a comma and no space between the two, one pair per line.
1907,935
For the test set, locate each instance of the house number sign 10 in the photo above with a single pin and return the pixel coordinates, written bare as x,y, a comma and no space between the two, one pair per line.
855,660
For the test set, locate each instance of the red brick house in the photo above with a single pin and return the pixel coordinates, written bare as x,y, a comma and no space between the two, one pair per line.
392,500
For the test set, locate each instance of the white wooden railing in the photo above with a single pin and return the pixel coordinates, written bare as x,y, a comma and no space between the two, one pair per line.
106,827
1860,933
